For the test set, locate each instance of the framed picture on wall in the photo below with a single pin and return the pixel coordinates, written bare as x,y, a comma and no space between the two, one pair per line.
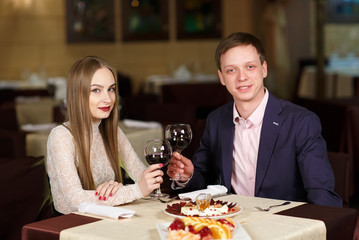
90,21
144,20
198,19
342,11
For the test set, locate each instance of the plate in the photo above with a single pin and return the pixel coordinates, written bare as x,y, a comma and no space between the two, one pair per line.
211,217
238,233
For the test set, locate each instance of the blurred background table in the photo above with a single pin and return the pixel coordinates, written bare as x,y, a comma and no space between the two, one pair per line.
339,82
154,83
35,110
36,141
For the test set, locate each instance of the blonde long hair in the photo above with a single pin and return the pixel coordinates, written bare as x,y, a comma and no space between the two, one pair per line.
80,120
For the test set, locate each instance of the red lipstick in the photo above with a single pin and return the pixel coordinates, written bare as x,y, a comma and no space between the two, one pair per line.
105,109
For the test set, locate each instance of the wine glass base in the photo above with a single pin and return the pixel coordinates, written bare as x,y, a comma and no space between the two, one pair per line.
158,195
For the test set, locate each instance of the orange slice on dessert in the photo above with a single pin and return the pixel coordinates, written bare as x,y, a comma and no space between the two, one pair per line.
198,226
219,231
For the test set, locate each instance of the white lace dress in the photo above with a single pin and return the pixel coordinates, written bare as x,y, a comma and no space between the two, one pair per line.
65,183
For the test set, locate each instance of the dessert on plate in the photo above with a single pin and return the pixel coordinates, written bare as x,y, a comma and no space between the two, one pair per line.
198,228
215,209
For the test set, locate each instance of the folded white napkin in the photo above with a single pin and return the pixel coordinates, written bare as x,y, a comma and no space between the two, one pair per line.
106,211
38,127
141,124
214,190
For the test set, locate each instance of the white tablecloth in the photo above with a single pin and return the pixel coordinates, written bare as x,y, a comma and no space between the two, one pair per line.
258,224
36,142
342,87
35,110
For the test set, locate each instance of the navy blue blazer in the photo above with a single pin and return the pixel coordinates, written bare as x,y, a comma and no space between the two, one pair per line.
292,157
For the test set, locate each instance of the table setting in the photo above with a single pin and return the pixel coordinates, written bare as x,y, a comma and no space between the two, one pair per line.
211,213
149,216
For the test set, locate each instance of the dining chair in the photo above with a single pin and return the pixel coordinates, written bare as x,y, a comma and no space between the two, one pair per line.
340,164
7,95
25,195
13,144
302,63
8,119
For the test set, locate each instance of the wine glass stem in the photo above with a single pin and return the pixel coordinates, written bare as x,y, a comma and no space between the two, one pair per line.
179,176
158,192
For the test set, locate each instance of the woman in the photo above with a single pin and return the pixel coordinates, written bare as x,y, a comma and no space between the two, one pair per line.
84,152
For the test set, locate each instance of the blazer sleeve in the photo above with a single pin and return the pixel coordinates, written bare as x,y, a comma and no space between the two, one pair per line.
314,166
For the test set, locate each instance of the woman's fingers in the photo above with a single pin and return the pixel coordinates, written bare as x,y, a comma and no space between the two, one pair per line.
107,189
150,179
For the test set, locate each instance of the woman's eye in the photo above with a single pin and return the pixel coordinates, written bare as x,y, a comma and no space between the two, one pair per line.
95,90
111,89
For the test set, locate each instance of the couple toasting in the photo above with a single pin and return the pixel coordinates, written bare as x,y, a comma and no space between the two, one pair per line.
257,145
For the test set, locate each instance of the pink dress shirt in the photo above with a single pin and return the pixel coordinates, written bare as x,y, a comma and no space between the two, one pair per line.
245,148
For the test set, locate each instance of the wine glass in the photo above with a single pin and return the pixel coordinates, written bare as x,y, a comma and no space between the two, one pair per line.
179,136
158,151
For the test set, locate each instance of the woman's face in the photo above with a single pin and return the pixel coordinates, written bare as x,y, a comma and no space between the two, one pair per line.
103,94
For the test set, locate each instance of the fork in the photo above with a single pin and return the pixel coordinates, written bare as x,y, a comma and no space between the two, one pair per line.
168,199
267,209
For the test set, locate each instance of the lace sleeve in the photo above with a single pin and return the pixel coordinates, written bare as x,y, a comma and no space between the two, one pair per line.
66,187
129,159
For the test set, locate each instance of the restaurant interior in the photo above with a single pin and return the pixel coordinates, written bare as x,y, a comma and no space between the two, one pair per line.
163,52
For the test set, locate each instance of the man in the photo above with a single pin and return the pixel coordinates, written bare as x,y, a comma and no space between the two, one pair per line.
257,145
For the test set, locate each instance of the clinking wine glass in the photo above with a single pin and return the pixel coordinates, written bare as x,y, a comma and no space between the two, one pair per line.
158,151
179,136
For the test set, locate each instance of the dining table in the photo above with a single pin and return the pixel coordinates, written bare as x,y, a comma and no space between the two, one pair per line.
35,110
339,82
297,220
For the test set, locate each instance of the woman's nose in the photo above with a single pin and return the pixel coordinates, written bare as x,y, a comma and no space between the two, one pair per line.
106,97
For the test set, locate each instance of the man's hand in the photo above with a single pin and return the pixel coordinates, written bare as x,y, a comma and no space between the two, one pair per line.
180,165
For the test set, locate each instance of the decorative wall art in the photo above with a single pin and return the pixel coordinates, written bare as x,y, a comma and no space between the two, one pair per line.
90,21
144,20
199,19
342,11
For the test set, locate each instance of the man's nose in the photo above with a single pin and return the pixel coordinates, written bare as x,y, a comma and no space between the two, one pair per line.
241,75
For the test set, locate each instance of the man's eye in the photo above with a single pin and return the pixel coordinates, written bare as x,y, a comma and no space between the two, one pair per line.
250,67
231,70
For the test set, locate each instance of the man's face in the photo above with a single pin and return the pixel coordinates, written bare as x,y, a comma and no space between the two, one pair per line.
102,95
243,74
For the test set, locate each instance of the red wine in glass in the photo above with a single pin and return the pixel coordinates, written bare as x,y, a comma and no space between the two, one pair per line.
158,158
179,136
179,143
158,151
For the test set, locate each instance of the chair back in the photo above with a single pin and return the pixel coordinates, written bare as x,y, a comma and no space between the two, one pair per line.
340,165
8,119
12,144
26,197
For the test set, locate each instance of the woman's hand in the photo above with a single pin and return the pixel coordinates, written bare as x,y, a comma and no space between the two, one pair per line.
107,189
179,164
150,179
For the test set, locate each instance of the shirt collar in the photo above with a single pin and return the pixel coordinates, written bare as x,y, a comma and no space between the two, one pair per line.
255,118
95,127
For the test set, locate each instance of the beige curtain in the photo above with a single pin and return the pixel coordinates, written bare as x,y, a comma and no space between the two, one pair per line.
276,44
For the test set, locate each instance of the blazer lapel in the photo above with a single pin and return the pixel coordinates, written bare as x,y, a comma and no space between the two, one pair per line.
270,130
226,136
